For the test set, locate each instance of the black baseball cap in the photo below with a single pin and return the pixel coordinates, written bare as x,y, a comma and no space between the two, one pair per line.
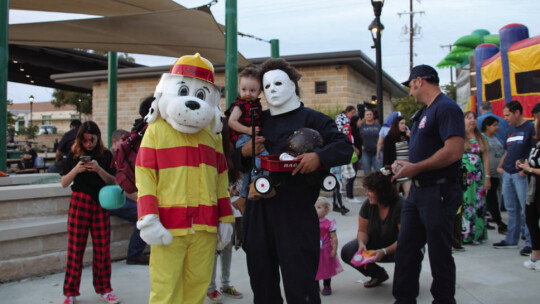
422,71
536,108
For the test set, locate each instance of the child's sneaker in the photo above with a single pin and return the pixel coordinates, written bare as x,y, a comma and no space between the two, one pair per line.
109,298
214,296
69,300
231,292
327,290
532,265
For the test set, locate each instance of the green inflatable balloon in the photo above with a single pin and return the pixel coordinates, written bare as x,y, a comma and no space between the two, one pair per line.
112,197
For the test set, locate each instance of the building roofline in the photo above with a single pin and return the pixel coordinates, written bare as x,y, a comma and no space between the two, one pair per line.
356,59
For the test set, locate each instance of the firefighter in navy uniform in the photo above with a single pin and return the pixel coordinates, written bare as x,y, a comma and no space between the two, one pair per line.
428,214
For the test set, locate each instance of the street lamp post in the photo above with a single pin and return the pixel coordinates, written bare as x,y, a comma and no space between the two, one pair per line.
376,29
31,99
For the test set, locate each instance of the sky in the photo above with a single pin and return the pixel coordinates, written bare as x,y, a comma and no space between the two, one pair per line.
316,26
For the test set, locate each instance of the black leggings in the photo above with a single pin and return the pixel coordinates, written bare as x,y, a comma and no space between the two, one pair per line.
493,201
532,215
325,283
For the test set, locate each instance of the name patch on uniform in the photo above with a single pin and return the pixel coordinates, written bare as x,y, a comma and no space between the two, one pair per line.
423,122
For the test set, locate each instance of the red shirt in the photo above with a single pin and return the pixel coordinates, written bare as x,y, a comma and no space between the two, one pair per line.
245,119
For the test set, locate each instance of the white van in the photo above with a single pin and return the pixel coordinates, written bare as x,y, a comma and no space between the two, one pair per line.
47,129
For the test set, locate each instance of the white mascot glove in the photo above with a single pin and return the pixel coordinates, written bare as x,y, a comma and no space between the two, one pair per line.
225,231
153,232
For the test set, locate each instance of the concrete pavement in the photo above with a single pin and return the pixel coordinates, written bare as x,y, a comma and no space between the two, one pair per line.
484,275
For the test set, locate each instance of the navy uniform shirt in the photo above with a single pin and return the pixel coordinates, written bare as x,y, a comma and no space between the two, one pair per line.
519,143
438,122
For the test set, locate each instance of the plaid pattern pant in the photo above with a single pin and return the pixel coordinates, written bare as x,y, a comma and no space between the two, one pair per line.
85,214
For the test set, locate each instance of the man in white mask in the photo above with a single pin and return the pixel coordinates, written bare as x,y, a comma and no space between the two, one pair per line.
281,233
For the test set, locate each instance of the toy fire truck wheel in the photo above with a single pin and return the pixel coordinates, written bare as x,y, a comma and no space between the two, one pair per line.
263,185
329,183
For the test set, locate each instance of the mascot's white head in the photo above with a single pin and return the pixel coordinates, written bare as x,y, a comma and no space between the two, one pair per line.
187,97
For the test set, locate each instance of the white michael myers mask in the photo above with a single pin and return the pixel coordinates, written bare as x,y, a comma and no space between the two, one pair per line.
280,92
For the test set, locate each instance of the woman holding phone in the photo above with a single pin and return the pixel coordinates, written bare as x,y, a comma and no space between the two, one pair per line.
88,169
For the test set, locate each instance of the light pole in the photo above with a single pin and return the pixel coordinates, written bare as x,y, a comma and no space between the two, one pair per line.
31,99
376,29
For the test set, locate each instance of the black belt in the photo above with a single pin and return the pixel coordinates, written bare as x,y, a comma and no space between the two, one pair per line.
432,182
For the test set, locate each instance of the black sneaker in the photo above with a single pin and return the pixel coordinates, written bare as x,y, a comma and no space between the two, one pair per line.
489,227
526,251
504,245
458,248
344,210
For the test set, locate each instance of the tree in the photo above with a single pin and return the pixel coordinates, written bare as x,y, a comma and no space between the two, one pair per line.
407,106
11,123
450,90
30,132
81,101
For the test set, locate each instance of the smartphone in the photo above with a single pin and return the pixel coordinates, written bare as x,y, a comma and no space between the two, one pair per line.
86,158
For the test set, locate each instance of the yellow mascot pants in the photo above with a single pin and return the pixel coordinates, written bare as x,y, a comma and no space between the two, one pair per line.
181,271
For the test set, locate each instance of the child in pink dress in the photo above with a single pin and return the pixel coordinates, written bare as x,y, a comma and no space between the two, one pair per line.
329,265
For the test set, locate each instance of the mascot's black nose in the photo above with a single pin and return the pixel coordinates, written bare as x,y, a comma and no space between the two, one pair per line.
192,105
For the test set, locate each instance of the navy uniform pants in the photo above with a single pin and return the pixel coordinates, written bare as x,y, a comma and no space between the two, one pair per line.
282,235
427,217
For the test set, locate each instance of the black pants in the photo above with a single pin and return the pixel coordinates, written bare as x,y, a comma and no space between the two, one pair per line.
532,216
338,198
349,187
427,216
369,270
493,201
282,235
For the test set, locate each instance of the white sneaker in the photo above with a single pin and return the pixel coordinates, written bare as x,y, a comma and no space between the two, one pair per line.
354,200
69,300
109,298
532,265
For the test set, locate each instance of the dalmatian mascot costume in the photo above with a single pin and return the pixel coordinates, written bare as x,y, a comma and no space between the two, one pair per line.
181,175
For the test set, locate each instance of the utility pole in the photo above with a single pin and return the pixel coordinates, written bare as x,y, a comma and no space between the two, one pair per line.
411,31
411,36
449,46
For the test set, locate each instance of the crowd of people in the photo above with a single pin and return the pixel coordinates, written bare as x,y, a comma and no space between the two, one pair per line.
433,183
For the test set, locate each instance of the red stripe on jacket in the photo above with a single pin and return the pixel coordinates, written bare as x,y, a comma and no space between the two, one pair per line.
181,156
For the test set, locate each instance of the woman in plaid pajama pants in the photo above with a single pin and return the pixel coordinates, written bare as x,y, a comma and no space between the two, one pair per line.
87,169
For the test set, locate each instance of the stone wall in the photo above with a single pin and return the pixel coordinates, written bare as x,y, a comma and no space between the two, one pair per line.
33,229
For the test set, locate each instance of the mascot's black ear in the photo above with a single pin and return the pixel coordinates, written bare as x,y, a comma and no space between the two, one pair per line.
153,113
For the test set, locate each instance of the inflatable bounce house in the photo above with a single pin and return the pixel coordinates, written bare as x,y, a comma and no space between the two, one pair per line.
497,68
